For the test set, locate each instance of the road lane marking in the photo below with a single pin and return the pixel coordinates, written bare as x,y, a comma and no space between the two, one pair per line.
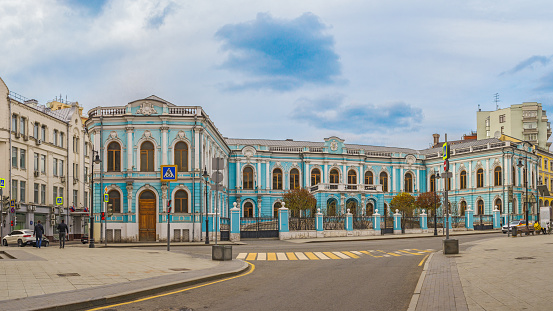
311,256
251,256
242,256
424,251
339,254
331,255
369,253
386,254
321,255
357,253
291,256
261,256
301,256
350,254
281,256
271,256
252,268
422,261
419,254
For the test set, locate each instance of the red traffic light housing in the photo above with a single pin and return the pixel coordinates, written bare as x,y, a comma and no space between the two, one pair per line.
103,216
446,165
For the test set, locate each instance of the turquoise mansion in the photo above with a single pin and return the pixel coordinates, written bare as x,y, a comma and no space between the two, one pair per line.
133,142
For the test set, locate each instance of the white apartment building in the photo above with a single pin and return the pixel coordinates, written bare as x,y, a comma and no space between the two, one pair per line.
47,156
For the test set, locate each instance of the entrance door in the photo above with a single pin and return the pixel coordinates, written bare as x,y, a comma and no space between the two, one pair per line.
147,216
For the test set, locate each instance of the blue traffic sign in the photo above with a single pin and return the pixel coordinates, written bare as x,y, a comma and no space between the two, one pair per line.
12,203
106,197
59,200
12,210
2,183
168,173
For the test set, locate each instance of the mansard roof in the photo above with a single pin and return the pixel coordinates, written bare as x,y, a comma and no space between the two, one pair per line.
466,144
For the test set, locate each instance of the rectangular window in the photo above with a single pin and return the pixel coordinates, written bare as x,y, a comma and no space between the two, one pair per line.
60,192
43,163
14,188
502,118
86,149
35,130
86,199
22,186
14,157
36,194
55,167
55,137
61,167
74,144
75,197
61,139
23,125
85,174
14,123
77,171
22,159
36,162
54,194
43,133
42,194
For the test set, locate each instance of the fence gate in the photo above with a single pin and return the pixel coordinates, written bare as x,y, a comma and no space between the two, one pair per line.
483,222
225,229
258,227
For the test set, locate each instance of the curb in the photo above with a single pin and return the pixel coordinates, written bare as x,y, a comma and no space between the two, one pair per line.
139,293
416,294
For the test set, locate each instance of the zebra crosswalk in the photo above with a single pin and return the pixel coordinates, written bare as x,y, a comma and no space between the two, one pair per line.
331,255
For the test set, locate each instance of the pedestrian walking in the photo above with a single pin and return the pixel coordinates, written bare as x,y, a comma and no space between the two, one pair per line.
38,232
62,228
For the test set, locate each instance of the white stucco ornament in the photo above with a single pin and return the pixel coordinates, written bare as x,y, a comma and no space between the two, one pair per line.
113,134
410,159
333,146
181,134
248,151
146,109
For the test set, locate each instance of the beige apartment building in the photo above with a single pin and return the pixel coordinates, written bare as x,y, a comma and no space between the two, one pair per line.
526,121
47,156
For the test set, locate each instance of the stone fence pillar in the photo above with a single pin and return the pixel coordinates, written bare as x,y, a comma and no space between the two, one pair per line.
376,222
469,219
283,228
397,222
234,223
423,221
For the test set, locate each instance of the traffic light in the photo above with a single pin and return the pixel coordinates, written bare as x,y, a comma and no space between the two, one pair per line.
11,223
110,209
103,216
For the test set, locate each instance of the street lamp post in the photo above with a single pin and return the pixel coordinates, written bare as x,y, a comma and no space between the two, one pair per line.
91,237
205,175
525,185
435,207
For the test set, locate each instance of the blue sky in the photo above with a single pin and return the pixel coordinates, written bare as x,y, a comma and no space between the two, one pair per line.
371,72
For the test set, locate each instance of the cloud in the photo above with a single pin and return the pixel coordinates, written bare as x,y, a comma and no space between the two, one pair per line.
280,54
158,15
529,63
334,113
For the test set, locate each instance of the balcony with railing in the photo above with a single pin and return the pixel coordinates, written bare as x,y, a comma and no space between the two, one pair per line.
325,187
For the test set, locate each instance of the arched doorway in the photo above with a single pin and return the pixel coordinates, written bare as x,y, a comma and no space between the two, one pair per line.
275,209
369,208
248,210
147,216
351,204
331,207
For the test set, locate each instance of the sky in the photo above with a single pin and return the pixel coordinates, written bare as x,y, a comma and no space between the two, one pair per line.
385,73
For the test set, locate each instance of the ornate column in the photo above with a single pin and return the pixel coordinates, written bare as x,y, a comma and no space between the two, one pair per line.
258,173
130,144
267,176
164,150
164,188
129,196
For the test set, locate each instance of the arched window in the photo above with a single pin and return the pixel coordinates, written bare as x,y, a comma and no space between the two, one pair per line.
369,178
115,201
480,178
247,178
498,205
147,195
248,210
294,178
497,176
480,207
463,181
384,181
181,156
463,208
114,157
277,179
181,201
408,182
147,157
546,203
352,179
351,204
315,176
433,182
275,209
331,207
334,176
369,208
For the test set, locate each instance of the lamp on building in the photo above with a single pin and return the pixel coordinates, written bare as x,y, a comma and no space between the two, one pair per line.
91,237
206,176
525,186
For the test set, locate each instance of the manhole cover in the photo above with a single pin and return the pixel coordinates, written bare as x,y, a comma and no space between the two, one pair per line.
68,274
525,258
179,269
491,249
4,255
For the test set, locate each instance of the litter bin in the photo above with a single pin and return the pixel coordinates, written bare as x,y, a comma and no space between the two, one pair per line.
221,252
514,231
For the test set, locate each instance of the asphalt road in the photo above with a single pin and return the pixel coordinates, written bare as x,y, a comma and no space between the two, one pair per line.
364,283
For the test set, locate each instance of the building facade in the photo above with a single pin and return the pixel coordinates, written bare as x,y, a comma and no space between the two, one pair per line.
47,155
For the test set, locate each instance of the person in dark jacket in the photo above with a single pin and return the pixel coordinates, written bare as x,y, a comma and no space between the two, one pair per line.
62,228
38,232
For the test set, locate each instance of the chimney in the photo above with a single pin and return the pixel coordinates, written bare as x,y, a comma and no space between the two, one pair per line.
436,138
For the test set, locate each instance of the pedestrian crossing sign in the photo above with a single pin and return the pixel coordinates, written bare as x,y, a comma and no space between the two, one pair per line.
2,183
106,197
168,173
59,200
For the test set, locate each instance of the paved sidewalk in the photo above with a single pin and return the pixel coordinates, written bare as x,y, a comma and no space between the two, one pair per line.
50,276
501,273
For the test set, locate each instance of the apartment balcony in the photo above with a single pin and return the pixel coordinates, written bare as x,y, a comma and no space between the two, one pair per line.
530,131
359,188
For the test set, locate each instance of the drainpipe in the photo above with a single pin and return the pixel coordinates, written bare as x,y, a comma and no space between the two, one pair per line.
102,225
193,166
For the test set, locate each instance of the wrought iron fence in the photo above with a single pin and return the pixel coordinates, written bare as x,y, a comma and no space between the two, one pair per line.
301,223
457,221
410,223
439,222
483,219
333,222
258,223
362,222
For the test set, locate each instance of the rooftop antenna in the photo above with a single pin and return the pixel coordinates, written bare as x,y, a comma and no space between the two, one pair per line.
479,107
496,100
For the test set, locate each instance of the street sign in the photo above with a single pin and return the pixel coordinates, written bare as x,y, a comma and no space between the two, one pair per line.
445,151
2,183
168,173
106,197
12,210
446,175
217,177
59,200
218,163
12,203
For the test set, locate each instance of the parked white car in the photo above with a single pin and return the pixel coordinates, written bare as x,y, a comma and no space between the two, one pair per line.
513,223
23,237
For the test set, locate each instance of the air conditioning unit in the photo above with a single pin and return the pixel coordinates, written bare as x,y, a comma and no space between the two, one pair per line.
53,216
17,135
37,173
25,137
39,141
62,178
